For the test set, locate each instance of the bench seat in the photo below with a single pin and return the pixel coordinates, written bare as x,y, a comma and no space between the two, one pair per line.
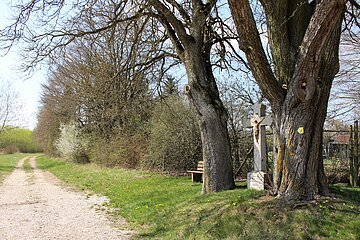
197,175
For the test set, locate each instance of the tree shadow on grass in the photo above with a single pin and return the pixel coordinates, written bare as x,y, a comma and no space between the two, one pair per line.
348,193
321,219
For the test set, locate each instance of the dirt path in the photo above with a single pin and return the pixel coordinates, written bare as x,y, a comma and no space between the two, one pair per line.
33,205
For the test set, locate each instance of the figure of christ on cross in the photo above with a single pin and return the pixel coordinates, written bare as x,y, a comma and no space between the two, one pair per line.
258,123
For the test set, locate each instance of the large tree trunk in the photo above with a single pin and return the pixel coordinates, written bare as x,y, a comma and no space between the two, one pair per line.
304,40
299,123
212,118
299,172
192,41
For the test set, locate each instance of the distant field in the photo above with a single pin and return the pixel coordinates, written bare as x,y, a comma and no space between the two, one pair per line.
162,207
21,138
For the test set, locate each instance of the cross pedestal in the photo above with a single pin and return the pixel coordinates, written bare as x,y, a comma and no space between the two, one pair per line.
258,122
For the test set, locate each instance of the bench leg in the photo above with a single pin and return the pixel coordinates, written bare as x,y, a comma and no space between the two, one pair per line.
196,177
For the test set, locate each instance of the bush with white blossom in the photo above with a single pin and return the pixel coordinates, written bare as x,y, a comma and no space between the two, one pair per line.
71,144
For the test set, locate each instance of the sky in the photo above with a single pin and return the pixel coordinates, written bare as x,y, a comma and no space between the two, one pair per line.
28,88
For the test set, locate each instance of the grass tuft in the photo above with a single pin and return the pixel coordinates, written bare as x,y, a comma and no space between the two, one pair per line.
27,167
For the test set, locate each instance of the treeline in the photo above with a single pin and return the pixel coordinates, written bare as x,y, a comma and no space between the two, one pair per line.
96,108
103,105
114,98
114,128
18,140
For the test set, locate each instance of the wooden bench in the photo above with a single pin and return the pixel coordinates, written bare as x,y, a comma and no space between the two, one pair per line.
197,175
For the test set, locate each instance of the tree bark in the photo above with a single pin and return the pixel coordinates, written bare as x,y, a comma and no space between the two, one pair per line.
306,61
299,172
299,124
193,47
212,118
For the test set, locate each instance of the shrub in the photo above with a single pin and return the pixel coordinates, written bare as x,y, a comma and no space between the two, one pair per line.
337,170
11,149
175,143
72,144
123,149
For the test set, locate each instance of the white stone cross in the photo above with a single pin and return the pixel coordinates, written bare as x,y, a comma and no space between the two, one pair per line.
258,122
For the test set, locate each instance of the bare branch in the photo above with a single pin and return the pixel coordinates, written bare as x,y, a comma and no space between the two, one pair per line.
175,23
250,43
355,4
181,10
10,106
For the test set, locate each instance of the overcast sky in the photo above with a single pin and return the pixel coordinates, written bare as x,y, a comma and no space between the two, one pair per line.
28,88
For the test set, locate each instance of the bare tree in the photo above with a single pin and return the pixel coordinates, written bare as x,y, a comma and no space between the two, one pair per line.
189,27
10,106
91,85
58,106
238,95
304,41
345,95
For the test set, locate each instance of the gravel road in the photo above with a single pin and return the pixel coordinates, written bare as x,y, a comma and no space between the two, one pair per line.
34,205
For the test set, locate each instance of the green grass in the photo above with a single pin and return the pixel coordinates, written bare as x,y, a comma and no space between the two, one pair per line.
8,163
27,167
161,207
349,193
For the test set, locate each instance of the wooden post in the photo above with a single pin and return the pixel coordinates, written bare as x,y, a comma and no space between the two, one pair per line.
356,154
351,155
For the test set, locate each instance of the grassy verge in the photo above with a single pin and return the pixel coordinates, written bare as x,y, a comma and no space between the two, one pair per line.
8,163
163,207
